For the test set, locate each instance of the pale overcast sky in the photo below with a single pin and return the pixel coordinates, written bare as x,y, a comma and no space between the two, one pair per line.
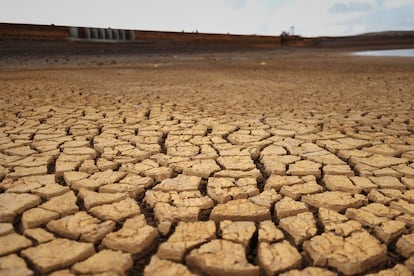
267,17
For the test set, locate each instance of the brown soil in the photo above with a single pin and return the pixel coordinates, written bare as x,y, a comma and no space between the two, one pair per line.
310,103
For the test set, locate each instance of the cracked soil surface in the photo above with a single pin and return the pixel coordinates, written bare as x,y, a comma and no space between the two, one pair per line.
246,163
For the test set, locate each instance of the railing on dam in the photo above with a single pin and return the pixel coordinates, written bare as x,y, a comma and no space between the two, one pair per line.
101,34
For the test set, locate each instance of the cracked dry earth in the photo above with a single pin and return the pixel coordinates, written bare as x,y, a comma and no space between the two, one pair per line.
249,164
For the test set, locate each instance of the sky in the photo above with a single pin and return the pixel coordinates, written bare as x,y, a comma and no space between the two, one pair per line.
262,17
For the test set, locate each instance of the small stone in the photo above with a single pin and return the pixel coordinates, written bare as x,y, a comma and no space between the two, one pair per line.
58,254
237,231
289,207
13,242
268,232
158,266
14,265
36,217
81,226
405,245
221,257
40,235
118,211
278,257
134,237
12,204
105,261
239,210
186,236
335,200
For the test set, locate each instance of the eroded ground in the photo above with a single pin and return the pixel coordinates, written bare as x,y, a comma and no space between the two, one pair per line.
238,164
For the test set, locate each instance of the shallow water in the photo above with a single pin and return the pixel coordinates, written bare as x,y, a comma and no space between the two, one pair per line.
386,53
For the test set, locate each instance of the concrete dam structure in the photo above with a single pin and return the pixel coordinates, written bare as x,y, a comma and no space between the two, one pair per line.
161,40
101,34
